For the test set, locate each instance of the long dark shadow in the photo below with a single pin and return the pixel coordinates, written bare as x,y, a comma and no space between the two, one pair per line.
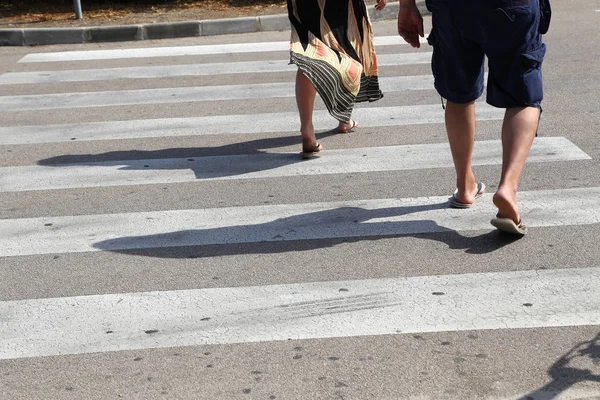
565,375
304,232
193,157
242,148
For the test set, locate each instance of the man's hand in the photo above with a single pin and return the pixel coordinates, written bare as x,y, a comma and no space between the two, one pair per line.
380,5
410,24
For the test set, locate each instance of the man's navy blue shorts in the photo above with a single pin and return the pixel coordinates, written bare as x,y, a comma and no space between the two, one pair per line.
506,31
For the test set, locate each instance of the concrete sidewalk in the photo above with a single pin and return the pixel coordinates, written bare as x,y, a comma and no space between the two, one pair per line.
45,36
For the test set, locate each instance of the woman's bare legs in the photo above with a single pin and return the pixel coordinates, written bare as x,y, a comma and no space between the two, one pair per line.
305,99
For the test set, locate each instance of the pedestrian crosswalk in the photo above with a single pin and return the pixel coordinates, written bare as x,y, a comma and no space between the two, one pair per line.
54,175
130,321
210,69
276,223
181,95
178,51
88,155
275,122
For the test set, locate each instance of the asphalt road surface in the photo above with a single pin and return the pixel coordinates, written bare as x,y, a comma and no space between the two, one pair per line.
160,237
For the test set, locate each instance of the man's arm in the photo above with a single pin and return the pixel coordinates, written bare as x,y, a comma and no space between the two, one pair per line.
410,23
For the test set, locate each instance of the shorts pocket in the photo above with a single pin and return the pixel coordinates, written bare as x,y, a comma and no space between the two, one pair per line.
514,14
531,76
509,27
533,59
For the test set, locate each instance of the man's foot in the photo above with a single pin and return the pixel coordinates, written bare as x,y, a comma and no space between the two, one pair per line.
347,127
506,201
507,225
455,201
508,219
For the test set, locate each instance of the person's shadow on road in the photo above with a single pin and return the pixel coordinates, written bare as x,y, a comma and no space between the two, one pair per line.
219,165
320,229
296,233
565,374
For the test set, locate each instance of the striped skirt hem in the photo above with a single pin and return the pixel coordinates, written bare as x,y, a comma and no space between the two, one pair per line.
328,82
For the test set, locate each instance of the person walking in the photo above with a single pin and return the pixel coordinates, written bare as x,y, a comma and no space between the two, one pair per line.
332,46
508,32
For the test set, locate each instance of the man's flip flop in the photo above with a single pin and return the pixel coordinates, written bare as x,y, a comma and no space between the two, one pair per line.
457,204
311,153
508,225
352,128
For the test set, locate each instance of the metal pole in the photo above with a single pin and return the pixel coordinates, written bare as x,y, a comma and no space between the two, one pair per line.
77,6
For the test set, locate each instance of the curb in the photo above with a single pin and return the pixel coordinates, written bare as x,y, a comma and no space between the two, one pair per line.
280,22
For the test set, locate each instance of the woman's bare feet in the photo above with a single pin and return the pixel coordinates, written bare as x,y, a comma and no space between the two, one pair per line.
310,152
309,140
310,145
348,127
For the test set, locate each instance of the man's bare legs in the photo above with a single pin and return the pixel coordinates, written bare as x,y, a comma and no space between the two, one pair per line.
518,131
305,99
460,126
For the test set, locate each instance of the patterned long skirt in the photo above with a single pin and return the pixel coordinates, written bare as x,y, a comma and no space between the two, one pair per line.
332,45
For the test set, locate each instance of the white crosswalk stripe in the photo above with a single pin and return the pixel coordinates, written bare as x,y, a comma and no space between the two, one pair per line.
182,95
223,124
180,51
268,165
129,321
87,157
241,67
384,217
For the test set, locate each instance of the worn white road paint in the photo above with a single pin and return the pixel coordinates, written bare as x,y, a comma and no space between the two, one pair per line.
223,124
266,165
178,51
113,322
286,222
184,94
162,71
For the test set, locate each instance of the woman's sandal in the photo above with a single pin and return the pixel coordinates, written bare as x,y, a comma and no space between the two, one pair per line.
353,126
311,153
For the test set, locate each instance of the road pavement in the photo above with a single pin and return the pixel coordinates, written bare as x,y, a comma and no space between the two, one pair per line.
161,238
